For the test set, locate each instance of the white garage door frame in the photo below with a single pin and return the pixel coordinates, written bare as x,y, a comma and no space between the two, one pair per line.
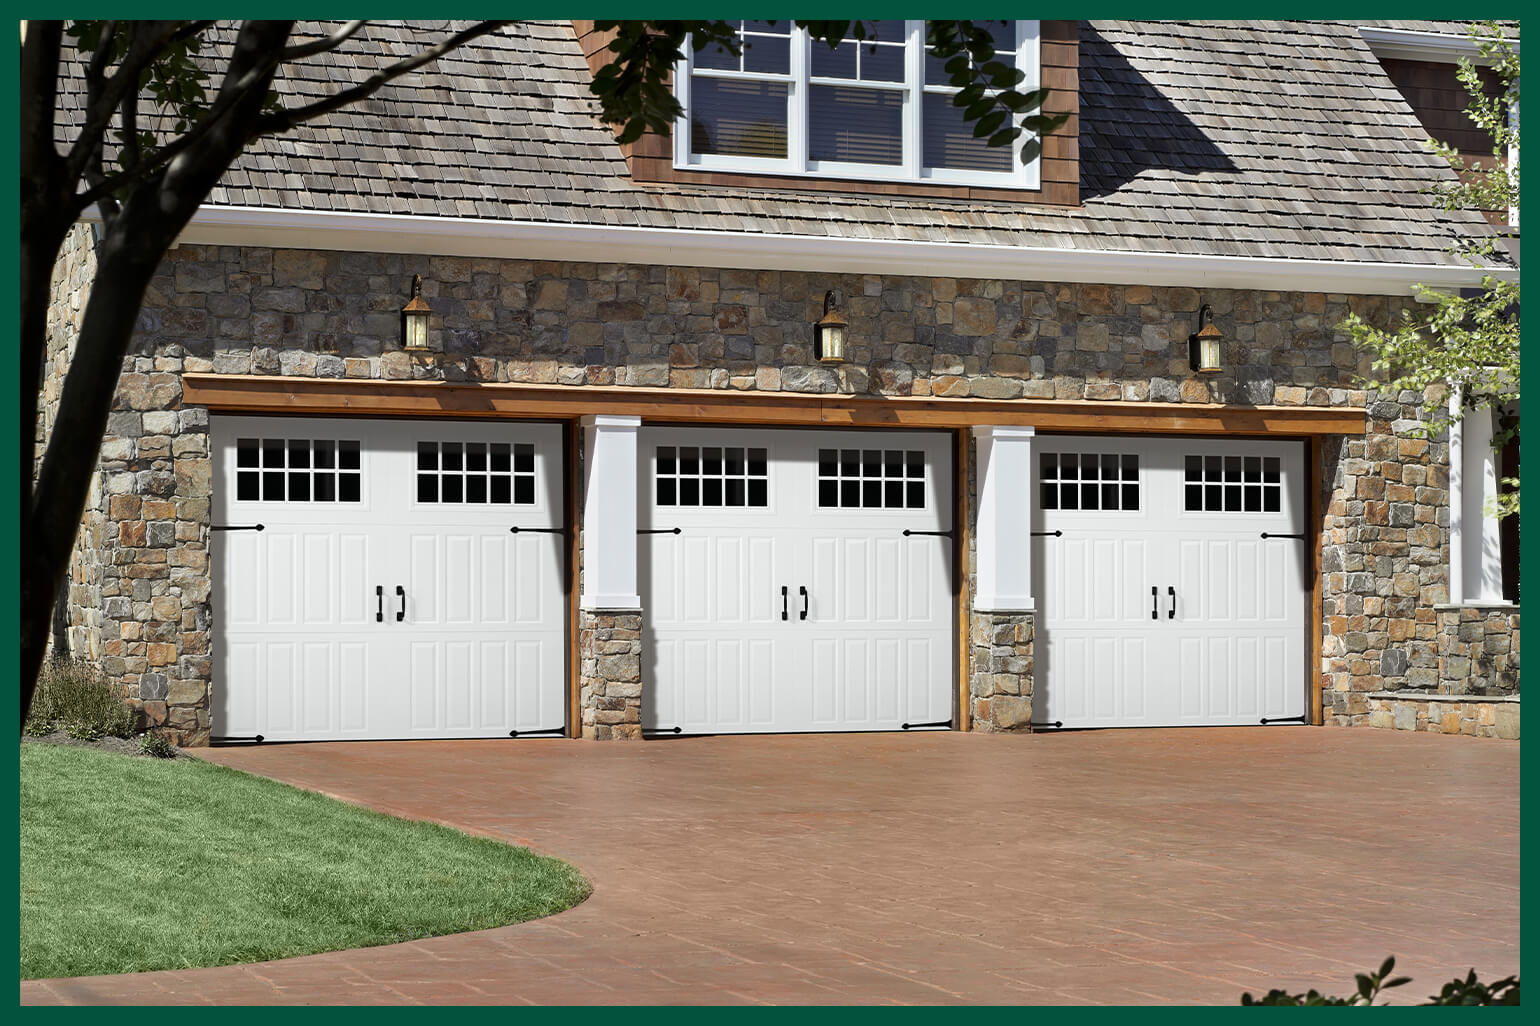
1218,531
366,608
803,606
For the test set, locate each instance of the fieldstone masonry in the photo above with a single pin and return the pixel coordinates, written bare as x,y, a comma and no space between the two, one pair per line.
140,595
610,682
1000,684
1478,650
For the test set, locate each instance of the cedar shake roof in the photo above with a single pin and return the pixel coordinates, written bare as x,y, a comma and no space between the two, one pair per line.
1268,139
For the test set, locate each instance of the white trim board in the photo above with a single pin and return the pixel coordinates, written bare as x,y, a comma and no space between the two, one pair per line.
528,240
1405,45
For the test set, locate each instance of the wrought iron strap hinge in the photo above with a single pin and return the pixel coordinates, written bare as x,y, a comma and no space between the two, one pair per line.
238,527
537,530
658,530
1040,534
1298,537
934,534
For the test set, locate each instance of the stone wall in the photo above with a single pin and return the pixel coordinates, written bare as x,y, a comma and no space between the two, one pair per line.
610,678
327,314
1000,681
1478,650
1398,710
80,613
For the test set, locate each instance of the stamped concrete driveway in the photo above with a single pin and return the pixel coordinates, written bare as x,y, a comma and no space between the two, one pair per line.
1092,867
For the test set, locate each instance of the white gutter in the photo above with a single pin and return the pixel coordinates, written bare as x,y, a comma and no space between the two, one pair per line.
1402,45
528,240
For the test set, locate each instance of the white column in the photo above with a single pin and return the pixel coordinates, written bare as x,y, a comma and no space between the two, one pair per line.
1003,583
609,513
1475,539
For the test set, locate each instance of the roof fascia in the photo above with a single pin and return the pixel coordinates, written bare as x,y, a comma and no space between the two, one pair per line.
1404,45
526,240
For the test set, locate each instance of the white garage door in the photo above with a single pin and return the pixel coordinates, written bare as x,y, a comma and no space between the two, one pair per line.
1171,581
386,579
795,580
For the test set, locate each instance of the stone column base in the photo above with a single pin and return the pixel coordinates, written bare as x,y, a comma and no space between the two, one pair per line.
610,681
1000,680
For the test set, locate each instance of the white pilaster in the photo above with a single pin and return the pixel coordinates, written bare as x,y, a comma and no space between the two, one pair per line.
1003,583
1475,539
609,513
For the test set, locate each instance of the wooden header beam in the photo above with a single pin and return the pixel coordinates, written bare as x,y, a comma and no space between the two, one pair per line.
232,393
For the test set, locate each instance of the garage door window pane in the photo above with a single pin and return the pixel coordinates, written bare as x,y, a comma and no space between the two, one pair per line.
1088,481
871,478
1233,484
717,476
476,472
293,469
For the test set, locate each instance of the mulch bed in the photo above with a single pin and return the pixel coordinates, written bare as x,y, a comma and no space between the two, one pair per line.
115,745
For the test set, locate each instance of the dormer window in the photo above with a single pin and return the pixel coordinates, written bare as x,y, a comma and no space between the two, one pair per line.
880,109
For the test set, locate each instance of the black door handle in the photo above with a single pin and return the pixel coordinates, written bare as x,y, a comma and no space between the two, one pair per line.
379,603
1172,615
802,589
1154,602
401,613
783,602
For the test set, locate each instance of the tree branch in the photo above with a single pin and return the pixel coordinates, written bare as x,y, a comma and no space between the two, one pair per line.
331,42
283,120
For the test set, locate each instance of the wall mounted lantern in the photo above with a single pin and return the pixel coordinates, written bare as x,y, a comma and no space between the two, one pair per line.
1203,346
832,331
414,318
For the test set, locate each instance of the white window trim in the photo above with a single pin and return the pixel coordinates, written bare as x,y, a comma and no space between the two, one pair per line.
1024,175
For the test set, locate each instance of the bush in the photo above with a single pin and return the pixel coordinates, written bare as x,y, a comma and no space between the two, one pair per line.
1469,991
74,695
157,746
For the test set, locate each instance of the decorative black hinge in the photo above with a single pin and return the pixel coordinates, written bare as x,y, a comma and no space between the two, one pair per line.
1055,725
1040,534
934,534
537,530
532,733
938,723
662,730
255,739
658,530
1299,537
238,527
1301,718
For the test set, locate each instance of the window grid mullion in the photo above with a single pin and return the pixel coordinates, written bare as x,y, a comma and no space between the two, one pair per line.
796,117
914,98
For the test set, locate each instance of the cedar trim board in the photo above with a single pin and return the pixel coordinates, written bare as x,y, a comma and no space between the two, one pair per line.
313,396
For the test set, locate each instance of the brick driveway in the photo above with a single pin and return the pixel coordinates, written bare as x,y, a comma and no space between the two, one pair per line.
1101,866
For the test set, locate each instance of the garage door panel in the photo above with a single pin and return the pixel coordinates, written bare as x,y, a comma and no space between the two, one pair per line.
332,569
1226,641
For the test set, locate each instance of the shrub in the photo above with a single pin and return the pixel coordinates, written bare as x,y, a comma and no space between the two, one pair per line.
157,746
73,694
1469,991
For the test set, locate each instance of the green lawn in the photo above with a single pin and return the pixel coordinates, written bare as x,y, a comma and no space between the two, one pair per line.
130,864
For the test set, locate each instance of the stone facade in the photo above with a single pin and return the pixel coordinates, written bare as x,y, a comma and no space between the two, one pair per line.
302,313
1495,717
610,679
81,615
1478,650
1000,681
